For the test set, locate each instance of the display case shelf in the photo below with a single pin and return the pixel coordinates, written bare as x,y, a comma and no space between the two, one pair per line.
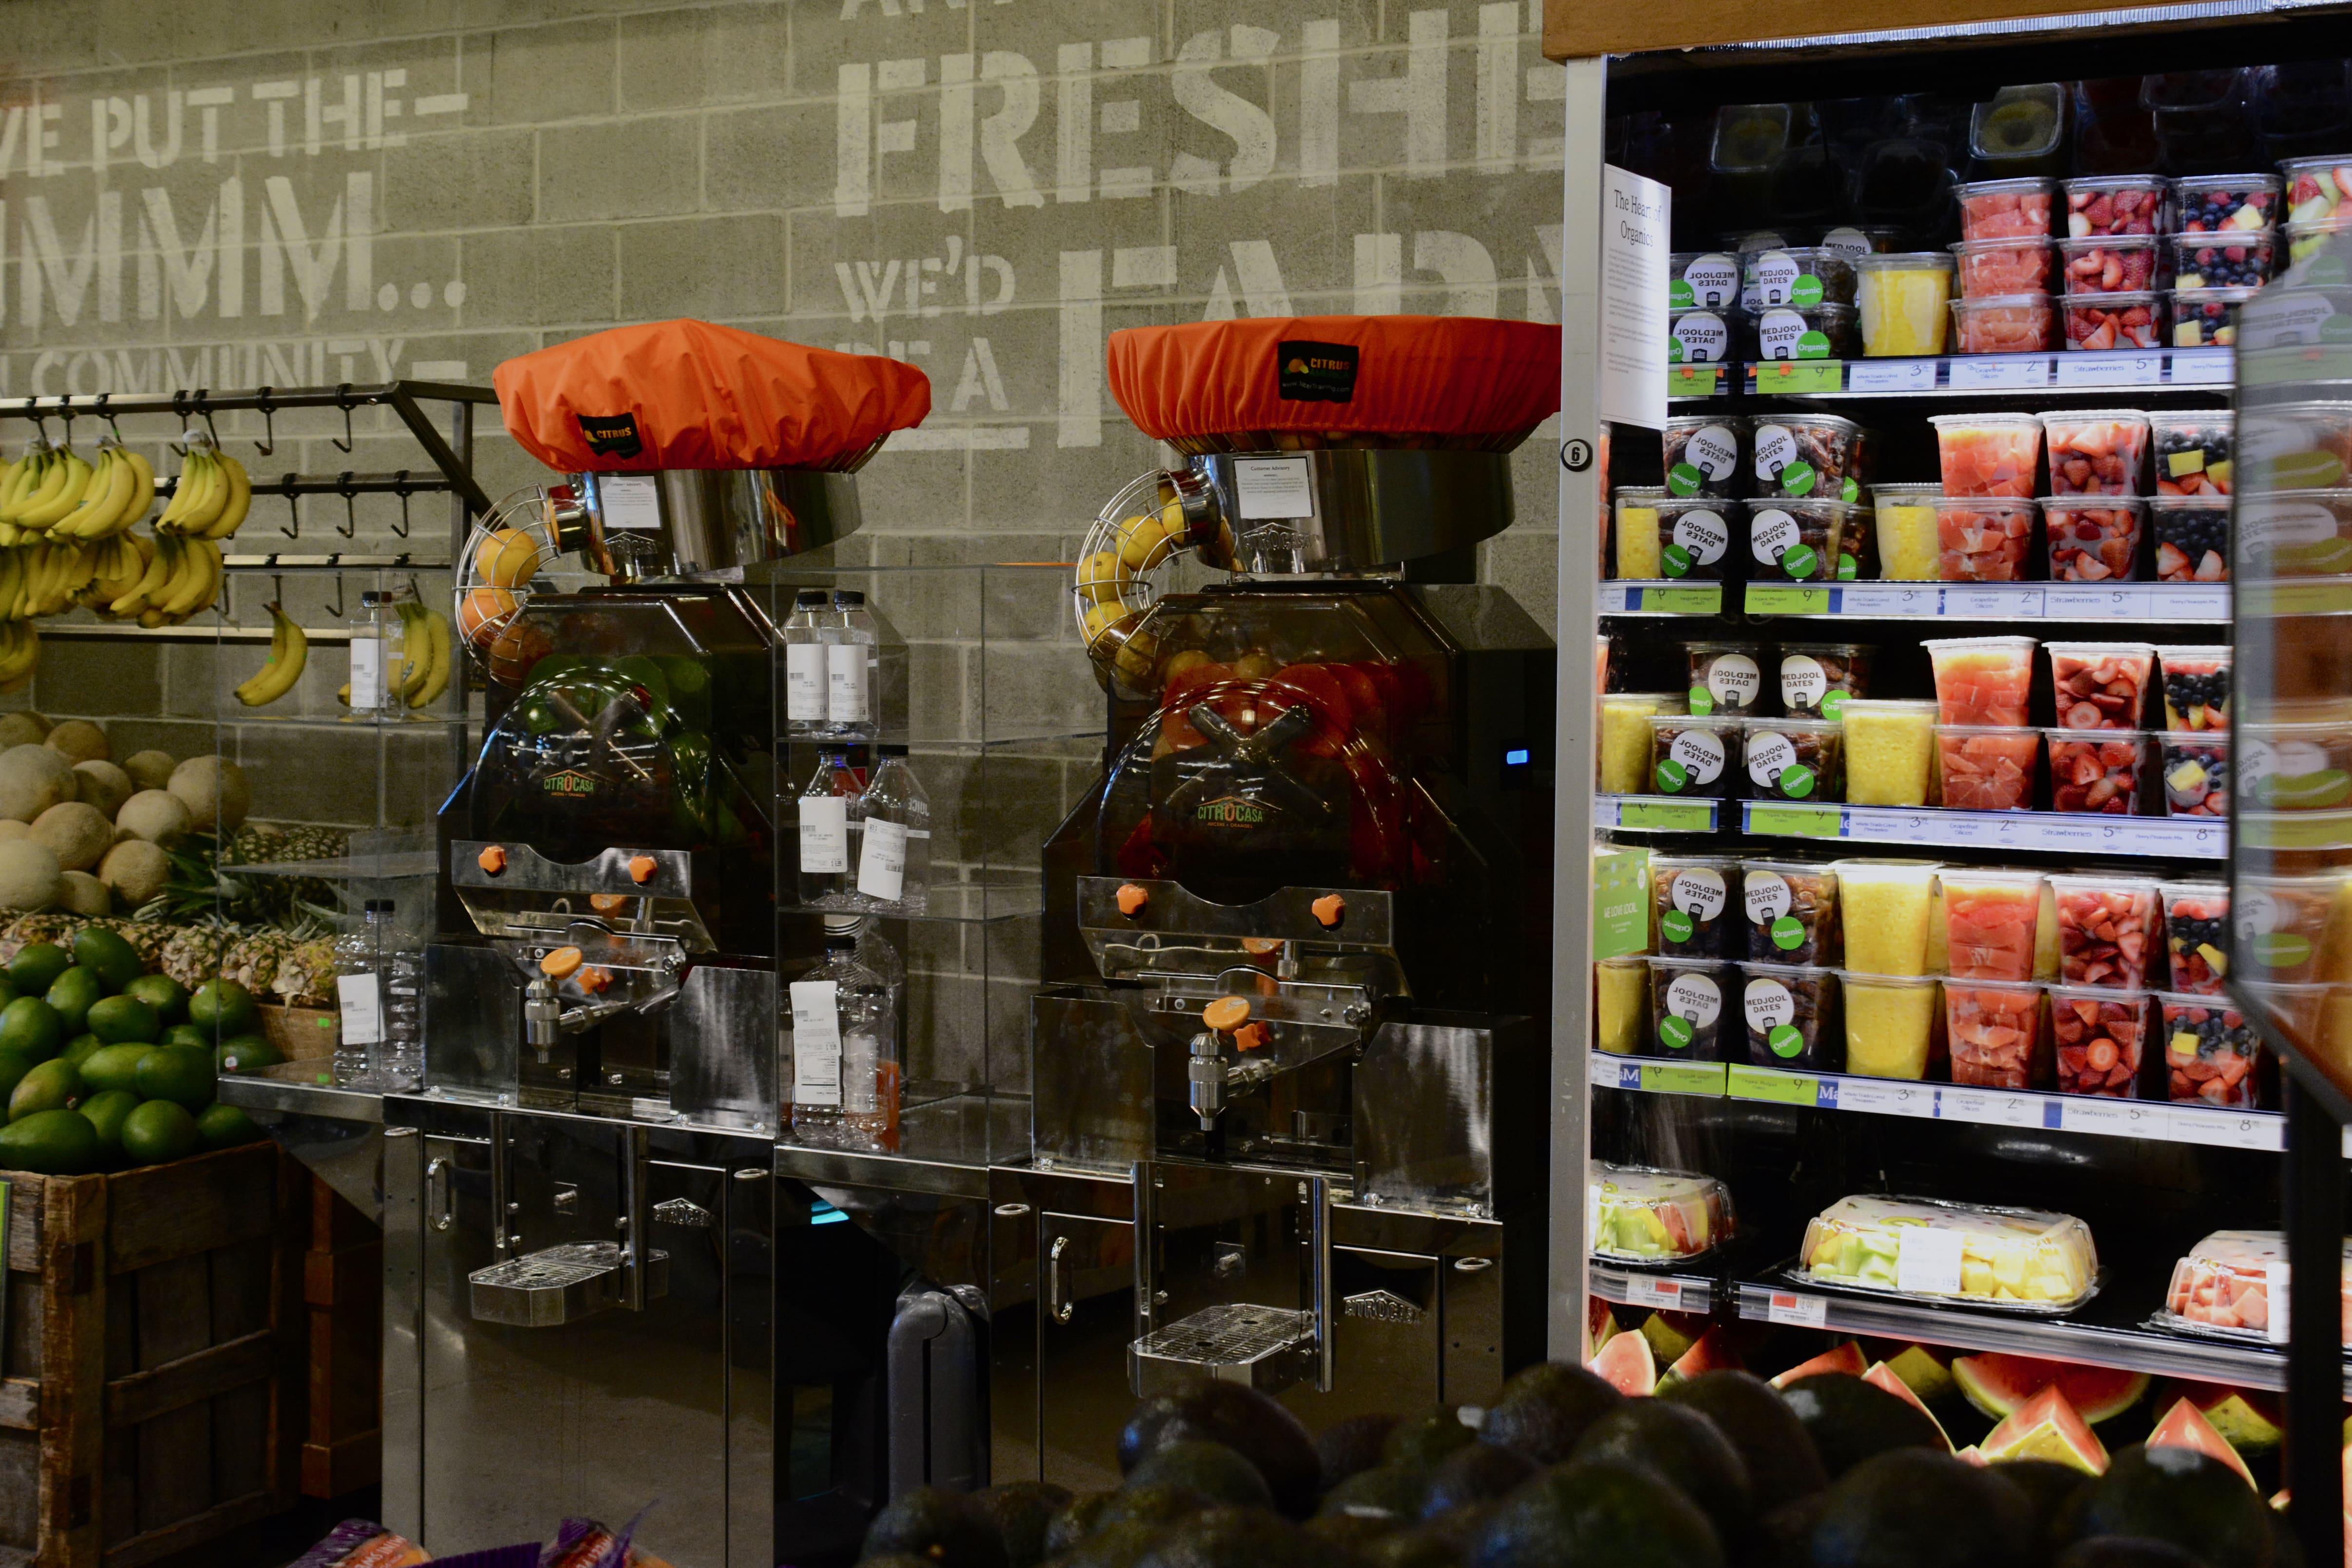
1656,814
2177,604
2076,833
1975,375
1627,1287
1628,597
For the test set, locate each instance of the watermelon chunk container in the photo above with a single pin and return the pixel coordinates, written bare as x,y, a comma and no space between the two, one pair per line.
2099,1038
1982,680
1988,454
1641,1215
2029,1261
2225,1286
2004,324
2097,451
1989,918
1997,1034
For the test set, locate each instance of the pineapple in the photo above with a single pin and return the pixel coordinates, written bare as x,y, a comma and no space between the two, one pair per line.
192,955
306,976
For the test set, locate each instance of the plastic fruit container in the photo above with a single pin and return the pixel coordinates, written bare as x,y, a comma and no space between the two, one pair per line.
1792,909
1707,277
2237,260
2196,685
2192,538
1890,1023
2196,773
1690,906
1699,336
1902,299
1989,268
2117,205
1983,539
1795,275
2104,925
1691,755
1988,454
1688,999
2296,766
1798,332
2224,1287
2304,446
1989,918
2303,534
2109,266
2197,935
2207,318
1636,529
1995,1033
1818,679
2006,209
1889,751
1724,678
2011,1257
2098,322
2097,451
1883,906
1703,455
2316,187
1795,760
2208,204
1791,1015
2213,1056
1855,240
1905,520
2304,239
2098,1036
1988,767
2005,324
2100,685
1857,542
2093,539
1624,762
2282,926
1694,538
1795,541
2096,771
1982,680
1621,989
1806,455
1643,1216
2192,451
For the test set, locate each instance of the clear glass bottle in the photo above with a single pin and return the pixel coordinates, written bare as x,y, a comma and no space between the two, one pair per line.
378,648
893,818
401,1064
851,663
826,864
875,951
805,665
379,986
846,1068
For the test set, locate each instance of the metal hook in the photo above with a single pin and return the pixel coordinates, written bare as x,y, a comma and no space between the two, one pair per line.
293,529
180,413
268,423
277,589
336,608
415,591
40,424
66,413
343,394
400,487
350,513
115,429
205,411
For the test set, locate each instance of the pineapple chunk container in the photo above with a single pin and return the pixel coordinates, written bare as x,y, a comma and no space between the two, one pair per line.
2015,1259
1635,1214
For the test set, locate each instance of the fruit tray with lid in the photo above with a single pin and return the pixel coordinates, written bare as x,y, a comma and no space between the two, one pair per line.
2224,1287
1638,1214
1919,1249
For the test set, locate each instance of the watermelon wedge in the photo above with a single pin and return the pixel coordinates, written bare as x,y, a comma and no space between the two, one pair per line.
1846,1358
2183,1427
1971,1457
1627,1364
1711,1352
1928,1374
1884,1376
2251,1420
2000,1385
1671,1335
1600,1323
2047,1428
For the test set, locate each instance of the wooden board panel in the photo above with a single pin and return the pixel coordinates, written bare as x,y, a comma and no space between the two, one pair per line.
1579,29
191,1205
240,1289
22,1355
241,1438
150,1545
20,1490
144,1396
73,1367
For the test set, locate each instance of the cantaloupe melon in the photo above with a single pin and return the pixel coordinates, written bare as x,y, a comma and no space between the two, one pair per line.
157,816
79,740
103,785
136,870
214,791
76,834
83,893
32,779
30,877
150,769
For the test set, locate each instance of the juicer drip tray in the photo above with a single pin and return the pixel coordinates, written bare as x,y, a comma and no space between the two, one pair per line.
559,1284
1263,1347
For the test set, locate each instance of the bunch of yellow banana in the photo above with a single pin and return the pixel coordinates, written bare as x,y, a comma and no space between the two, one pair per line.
213,496
119,491
121,562
41,578
181,578
20,650
289,649
425,653
39,489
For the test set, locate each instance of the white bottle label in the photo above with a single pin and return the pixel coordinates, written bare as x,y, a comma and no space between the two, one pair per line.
361,999
825,833
804,681
844,685
367,672
816,1042
882,863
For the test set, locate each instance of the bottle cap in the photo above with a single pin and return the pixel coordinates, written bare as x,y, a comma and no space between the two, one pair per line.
837,924
809,598
370,599
847,598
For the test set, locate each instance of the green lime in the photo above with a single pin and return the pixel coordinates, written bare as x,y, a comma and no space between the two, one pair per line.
2273,950
116,1067
225,1126
80,1048
37,966
51,1085
107,956
245,1054
31,1027
73,993
106,1111
186,1037
116,1019
183,1077
221,1008
51,1143
157,1131
164,994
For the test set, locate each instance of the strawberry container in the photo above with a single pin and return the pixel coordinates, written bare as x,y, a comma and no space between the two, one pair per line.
2095,451
2093,539
1983,539
2108,265
2099,322
2099,1036
2117,205
2106,923
2196,773
2096,771
2211,1055
2232,260
2099,685
2197,935
1996,1033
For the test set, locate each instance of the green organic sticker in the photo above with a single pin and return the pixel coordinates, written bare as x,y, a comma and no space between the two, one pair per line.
1798,561
1679,296
1799,479
1673,350
1701,702
1813,346
1684,479
1784,1040
1796,781
1674,926
1671,776
1850,491
1806,290
1834,704
1787,932
2335,329
1848,569
1674,560
2281,950
1675,1033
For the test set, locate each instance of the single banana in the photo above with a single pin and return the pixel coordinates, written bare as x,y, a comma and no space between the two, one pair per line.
111,488
238,501
70,475
157,572
203,572
289,648
437,680
415,647
13,475
193,492
20,666
20,647
343,694
144,494
206,507
30,478
12,583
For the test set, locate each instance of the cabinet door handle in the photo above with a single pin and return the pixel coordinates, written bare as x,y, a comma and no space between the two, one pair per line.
1057,1283
437,1197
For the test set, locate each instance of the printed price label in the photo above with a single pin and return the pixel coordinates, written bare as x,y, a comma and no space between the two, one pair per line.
1707,599
2095,370
1927,1261
1922,599
824,834
631,502
1891,375
2229,1129
1992,604
367,672
2066,601
1703,1078
1745,1083
2204,367
1648,1290
1794,822
1990,373
1796,1311
1990,1107
2197,604
1791,378
1882,1096
1667,816
882,861
1693,381
1781,599
1616,598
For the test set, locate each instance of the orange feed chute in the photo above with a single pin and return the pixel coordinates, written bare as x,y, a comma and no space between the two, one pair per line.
641,869
1436,375
688,394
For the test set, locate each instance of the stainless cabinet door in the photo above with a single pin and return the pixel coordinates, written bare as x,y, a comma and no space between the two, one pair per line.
1085,1319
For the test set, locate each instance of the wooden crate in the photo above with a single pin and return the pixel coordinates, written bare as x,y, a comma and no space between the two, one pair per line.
342,1286
152,1391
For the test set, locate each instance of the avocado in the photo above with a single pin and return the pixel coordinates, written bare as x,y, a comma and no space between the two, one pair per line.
1426,1438
1782,1463
72,995
186,1037
244,1053
1910,1508
157,1132
228,1126
1479,1472
2179,1495
13,1065
37,966
1235,1538
114,961
1353,1534
1685,1448
114,1066
1351,1444
1849,1420
30,1027
221,1008
1384,1491
81,1048
1783,1537
51,1143
106,1111
2124,1551
118,1019
164,994
1020,1510
1543,1410
1250,1423
51,1085
1156,1504
945,1528
182,1077
1607,1512
1073,1522
1119,1544
1212,1469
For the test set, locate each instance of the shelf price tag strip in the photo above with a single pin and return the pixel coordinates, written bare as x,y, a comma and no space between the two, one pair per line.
2194,837
1659,813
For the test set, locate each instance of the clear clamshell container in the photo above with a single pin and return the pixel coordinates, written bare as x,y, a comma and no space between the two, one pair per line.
1936,1250
2223,1287
1639,1215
